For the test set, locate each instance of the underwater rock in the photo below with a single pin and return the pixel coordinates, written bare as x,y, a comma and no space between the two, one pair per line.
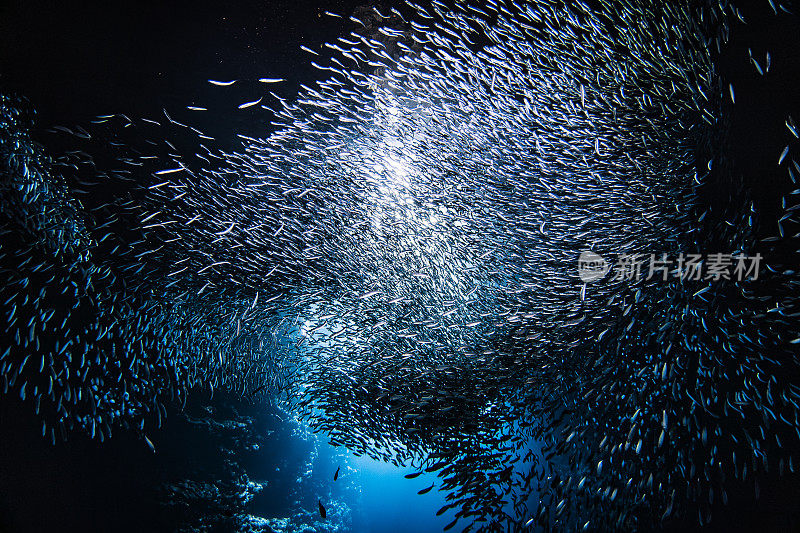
397,264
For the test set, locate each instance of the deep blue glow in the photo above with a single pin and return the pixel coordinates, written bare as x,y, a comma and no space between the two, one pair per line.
390,503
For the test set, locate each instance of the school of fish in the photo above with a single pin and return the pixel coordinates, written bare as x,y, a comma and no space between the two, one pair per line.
396,263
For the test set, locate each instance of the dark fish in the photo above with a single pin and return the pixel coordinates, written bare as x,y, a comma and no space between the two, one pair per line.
426,490
395,263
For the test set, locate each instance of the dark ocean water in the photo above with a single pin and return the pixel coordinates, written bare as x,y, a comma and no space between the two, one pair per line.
223,464
218,466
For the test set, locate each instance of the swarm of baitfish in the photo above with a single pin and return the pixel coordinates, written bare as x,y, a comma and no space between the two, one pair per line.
397,263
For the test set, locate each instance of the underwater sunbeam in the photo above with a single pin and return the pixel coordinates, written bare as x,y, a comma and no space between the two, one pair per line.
490,265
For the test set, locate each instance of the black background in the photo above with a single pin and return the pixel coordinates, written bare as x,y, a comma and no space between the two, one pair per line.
75,60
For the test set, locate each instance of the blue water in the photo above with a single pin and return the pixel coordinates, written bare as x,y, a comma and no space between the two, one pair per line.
390,503
367,497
